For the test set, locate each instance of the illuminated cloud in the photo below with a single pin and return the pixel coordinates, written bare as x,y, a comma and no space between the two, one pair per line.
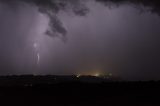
115,37
51,8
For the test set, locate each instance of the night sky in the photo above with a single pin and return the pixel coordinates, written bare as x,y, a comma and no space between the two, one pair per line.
65,37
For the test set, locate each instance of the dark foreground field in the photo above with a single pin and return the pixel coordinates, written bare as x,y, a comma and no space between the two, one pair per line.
77,93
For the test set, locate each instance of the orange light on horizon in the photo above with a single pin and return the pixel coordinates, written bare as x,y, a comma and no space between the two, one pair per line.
96,75
78,75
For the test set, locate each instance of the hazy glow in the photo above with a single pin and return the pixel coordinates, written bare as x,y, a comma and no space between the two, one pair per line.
97,75
78,75
114,37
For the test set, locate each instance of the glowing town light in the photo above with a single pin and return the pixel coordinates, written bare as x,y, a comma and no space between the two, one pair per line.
97,75
78,75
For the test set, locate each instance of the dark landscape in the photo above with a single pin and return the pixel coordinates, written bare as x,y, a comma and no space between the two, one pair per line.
71,91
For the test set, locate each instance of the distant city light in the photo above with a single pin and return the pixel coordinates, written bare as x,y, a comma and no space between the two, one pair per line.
78,75
97,75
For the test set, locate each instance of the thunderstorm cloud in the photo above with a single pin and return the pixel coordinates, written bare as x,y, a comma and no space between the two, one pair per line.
116,36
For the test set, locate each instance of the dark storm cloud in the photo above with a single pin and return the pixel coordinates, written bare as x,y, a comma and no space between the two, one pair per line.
51,8
117,40
18,19
154,4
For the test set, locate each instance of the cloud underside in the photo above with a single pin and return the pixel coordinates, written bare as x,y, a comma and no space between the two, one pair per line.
153,4
51,8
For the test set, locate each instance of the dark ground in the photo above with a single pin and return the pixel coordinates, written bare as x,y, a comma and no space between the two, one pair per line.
77,93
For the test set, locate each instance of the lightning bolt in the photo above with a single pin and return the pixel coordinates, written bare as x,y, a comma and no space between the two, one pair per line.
38,58
38,54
